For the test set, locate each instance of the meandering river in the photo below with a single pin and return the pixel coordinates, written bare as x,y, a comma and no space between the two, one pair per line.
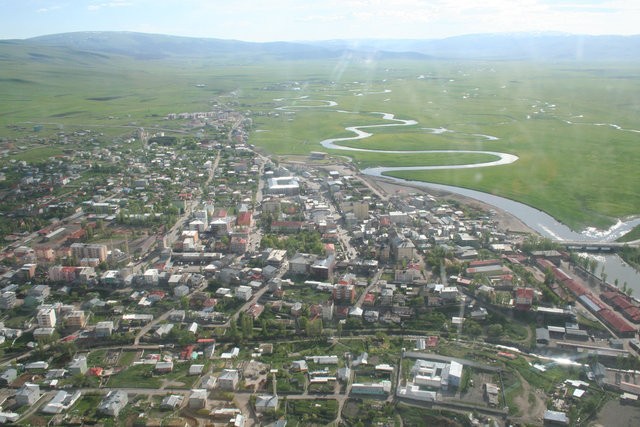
541,222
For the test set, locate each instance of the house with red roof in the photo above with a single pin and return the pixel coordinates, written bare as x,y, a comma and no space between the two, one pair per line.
524,299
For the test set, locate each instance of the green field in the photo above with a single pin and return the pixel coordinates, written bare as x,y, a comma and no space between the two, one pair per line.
556,117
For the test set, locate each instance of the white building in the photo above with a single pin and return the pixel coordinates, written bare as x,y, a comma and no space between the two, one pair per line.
244,292
151,276
47,317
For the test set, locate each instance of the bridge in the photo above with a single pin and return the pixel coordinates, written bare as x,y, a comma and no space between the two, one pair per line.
585,246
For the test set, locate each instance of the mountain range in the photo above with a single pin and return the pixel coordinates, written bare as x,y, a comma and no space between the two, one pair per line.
518,46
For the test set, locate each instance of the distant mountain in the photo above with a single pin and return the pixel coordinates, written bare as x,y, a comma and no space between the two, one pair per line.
519,46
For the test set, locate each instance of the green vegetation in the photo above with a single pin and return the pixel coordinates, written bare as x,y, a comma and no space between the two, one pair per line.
414,416
631,236
550,115
135,376
304,241
311,411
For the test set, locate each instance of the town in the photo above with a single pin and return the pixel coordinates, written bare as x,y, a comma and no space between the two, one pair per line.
179,275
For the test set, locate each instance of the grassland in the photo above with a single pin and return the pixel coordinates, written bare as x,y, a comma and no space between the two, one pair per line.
557,117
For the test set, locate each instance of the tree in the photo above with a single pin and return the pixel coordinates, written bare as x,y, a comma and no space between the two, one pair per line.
494,330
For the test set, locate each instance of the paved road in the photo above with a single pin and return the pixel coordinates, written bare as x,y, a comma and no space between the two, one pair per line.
374,283
146,328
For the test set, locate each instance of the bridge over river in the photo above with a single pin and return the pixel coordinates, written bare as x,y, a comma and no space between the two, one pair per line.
586,246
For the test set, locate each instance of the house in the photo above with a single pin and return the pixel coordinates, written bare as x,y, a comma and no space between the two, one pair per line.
376,389
172,401
163,367
228,380
543,336
28,394
344,374
196,369
244,292
555,418
323,360
113,403
524,299
449,293
266,403
61,402
103,329
491,392
208,382
163,330
8,376
198,398
299,366
78,365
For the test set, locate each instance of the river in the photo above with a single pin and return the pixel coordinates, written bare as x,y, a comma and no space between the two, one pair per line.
541,222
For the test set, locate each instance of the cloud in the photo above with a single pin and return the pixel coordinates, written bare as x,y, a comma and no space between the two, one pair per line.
98,6
48,9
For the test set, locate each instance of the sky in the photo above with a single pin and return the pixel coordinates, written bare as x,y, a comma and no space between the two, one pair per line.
285,20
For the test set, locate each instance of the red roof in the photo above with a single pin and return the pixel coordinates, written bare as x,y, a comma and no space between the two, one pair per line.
633,313
95,371
616,322
244,218
210,302
524,293
621,302
485,262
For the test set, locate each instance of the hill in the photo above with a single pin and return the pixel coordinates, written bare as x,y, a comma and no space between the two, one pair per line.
518,46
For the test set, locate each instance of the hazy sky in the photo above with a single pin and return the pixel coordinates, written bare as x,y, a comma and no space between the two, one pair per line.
270,20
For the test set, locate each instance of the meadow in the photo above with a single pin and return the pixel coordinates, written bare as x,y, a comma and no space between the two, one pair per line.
573,125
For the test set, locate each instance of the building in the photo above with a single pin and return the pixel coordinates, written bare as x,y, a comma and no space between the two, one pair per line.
164,367
228,380
299,366
39,292
286,185
376,389
238,245
28,394
436,375
198,398
8,300
113,403
83,250
344,293
172,402
244,292
75,319
151,277
555,418
266,403
61,402
78,366
524,299
103,329
300,263
46,318
491,393
8,376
